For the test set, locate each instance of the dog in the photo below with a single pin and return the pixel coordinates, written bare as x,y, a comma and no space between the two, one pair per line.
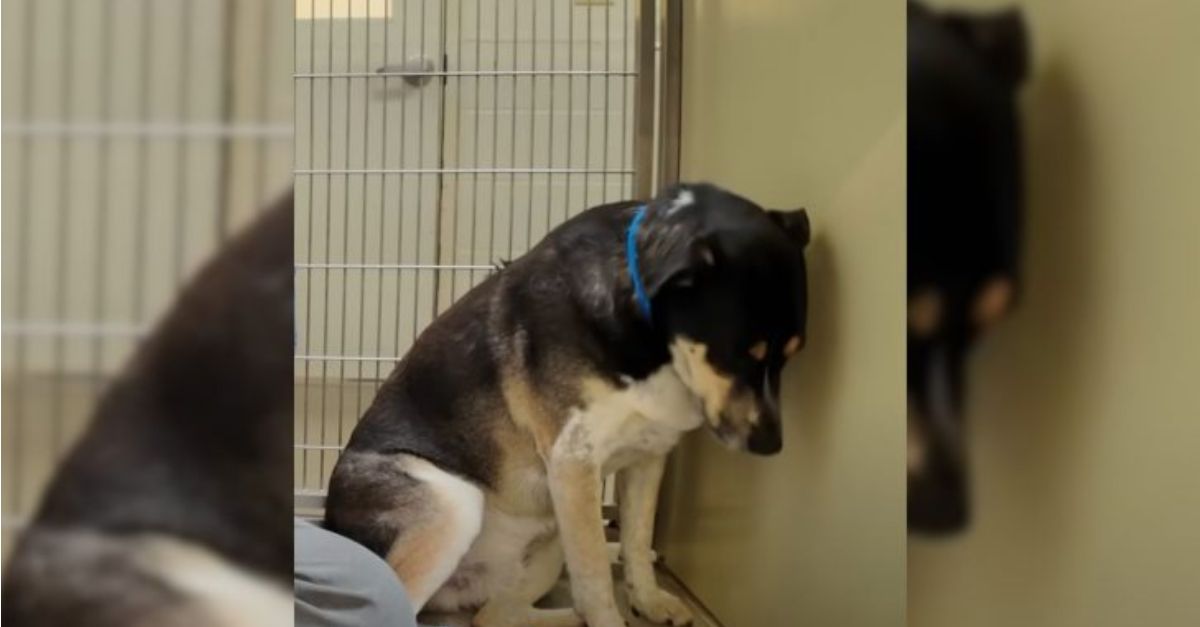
174,507
964,207
476,471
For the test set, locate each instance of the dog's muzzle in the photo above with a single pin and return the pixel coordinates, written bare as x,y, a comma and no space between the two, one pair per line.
766,438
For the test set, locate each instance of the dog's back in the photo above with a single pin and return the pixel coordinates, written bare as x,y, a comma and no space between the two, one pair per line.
180,487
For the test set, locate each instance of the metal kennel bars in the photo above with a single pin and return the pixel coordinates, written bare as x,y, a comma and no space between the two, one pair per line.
435,139
137,135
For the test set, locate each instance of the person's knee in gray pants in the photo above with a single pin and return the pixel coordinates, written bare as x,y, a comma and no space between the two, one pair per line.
339,583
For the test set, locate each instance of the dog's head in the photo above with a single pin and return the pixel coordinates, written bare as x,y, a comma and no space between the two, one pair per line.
728,285
964,197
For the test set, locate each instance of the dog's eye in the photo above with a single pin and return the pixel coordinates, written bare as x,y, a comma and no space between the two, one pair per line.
759,350
925,312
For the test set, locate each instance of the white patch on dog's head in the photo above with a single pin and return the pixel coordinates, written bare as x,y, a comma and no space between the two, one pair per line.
684,199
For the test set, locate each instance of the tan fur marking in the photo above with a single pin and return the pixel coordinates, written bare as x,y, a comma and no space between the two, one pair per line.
925,312
759,350
712,387
916,446
418,553
992,302
794,344
528,411
592,388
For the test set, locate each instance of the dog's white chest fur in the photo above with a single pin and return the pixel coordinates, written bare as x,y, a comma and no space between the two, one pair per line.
616,427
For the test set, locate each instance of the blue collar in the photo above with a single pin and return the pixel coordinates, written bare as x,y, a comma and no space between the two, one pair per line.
631,260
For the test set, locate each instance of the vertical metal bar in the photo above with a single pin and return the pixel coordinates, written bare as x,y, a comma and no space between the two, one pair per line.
328,247
329,227
587,117
420,191
512,161
475,138
266,35
342,382
65,164
491,256
228,84
139,255
625,129
533,46
24,228
570,107
672,93
403,154
308,276
440,179
383,142
100,275
459,190
550,116
607,80
643,140
362,242
182,152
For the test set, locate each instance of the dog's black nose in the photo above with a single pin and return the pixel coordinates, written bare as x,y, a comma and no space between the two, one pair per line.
765,439
937,506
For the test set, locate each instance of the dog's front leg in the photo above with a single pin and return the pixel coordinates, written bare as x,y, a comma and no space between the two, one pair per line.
638,499
575,491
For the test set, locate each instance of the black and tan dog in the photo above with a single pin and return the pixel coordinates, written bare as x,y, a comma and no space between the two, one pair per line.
174,507
478,467
964,208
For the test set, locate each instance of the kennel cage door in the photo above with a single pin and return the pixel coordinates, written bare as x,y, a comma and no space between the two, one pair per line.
369,168
539,109
436,139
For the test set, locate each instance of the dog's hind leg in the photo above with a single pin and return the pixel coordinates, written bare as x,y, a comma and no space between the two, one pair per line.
418,517
514,608
425,555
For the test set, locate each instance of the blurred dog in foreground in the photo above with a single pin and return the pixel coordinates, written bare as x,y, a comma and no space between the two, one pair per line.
174,507
964,203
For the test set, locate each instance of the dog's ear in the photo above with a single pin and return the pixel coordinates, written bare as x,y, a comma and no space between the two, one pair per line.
680,265
1000,39
794,223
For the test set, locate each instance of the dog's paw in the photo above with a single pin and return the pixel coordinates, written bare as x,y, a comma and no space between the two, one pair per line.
613,620
659,606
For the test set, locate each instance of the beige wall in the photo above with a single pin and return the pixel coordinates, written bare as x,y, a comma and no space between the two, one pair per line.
1083,405
802,104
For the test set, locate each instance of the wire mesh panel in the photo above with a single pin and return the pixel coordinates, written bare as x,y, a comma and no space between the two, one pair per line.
435,139
137,135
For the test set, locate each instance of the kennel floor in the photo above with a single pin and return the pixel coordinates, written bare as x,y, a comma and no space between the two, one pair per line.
560,596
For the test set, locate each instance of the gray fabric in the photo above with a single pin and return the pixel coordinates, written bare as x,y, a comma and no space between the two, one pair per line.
339,583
